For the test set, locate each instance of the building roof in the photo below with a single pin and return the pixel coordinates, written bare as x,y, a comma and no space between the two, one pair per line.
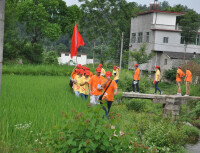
158,11
70,53
178,55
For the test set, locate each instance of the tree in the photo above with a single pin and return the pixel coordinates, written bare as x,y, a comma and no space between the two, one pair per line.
47,19
12,42
60,48
190,24
105,20
40,22
51,58
2,12
140,56
35,18
177,8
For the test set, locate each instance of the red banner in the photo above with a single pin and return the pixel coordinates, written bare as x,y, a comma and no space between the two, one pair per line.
77,41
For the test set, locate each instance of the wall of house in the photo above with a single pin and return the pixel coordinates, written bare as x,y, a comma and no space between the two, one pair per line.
89,61
145,23
164,19
81,59
165,66
141,24
173,44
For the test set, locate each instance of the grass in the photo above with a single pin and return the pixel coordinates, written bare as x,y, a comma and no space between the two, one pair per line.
30,104
50,70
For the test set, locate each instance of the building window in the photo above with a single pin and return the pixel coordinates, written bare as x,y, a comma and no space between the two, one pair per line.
165,62
140,37
198,39
133,40
147,37
194,41
165,39
182,39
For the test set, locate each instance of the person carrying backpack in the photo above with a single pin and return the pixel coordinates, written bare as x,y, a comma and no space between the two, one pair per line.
110,90
95,88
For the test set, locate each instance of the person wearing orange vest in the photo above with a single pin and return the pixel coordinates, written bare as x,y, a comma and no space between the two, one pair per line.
110,92
188,79
95,86
136,78
179,75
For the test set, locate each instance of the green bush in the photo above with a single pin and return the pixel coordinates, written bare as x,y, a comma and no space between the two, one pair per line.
195,113
165,137
126,80
51,58
196,123
137,105
192,134
89,132
145,84
33,53
170,74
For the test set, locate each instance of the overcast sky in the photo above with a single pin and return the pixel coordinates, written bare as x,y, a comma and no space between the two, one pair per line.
193,4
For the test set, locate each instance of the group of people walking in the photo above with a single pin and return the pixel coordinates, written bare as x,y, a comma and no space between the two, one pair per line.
136,79
99,86
179,75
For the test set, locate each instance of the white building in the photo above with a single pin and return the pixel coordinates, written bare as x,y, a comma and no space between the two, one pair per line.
81,59
160,31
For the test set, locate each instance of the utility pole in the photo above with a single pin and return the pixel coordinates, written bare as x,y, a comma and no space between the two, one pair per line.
122,39
2,13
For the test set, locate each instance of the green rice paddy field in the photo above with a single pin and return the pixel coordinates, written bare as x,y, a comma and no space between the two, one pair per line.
30,104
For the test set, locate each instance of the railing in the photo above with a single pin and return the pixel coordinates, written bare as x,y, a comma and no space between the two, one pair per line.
166,27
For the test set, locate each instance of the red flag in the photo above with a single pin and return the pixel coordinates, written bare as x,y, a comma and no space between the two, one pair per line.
77,41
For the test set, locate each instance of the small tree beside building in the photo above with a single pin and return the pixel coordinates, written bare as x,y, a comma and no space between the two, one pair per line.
190,24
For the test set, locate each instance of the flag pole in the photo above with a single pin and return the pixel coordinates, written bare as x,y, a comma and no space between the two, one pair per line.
76,45
122,39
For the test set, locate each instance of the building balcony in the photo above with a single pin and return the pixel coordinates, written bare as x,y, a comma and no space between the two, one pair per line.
165,27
